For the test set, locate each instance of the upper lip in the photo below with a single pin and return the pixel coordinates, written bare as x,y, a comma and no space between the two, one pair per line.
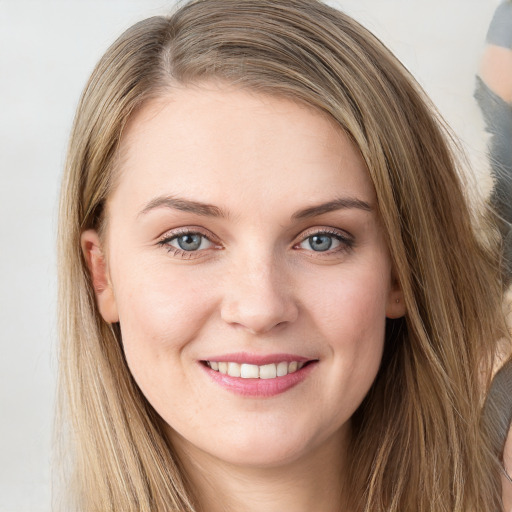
257,359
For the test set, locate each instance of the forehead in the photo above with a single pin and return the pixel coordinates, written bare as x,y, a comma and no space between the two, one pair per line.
225,145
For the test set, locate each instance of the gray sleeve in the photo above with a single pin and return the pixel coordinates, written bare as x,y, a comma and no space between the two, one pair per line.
498,119
497,413
500,30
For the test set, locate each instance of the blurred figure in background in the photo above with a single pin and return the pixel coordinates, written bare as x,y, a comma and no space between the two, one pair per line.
494,96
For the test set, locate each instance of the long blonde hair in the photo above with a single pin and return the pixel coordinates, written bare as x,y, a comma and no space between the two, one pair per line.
418,441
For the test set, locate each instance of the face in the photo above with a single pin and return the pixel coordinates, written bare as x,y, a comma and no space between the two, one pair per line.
243,237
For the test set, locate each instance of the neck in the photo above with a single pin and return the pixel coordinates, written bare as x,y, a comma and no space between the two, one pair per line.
312,482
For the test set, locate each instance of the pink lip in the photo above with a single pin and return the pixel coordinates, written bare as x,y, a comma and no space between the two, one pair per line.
259,387
260,360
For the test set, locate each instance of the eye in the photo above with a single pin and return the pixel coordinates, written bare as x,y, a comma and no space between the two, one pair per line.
186,243
321,242
327,241
190,242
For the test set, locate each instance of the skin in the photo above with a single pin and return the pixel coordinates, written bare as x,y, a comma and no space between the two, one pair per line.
496,70
258,287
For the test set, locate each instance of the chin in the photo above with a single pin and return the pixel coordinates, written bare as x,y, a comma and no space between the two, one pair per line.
264,446
263,454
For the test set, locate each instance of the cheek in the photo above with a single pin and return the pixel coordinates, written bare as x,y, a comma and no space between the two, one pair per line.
160,316
349,313
159,313
352,302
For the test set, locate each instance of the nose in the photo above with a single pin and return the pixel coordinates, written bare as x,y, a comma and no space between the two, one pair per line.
258,297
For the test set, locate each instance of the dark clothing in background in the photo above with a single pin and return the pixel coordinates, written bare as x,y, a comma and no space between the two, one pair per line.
499,30
497,114
498,118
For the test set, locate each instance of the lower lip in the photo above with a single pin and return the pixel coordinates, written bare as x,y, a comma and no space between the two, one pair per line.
260,387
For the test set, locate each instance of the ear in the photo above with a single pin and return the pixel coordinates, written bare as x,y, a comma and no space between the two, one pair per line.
91,247
395,307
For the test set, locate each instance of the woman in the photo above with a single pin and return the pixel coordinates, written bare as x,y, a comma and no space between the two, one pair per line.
274,294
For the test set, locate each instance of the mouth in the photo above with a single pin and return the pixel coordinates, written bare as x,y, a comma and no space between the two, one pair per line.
244,376
254,371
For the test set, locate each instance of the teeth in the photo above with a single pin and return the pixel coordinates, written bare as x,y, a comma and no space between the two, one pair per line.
268,371
282,369
252,371
233,369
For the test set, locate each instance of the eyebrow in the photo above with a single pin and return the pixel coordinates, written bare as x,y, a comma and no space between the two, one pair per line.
210,210
184,205
341,203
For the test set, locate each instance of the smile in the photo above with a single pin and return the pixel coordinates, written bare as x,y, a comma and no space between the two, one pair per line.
253,371
258,376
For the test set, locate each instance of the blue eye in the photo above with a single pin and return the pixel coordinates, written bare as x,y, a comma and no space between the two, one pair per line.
188,241
320,242
326,241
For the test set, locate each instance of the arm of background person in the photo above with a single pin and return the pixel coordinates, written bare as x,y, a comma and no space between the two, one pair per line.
494,95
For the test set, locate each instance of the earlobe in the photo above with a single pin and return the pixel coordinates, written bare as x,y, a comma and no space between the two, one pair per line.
396,304
93,254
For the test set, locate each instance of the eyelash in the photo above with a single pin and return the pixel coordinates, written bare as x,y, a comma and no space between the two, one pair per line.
180,253
346,242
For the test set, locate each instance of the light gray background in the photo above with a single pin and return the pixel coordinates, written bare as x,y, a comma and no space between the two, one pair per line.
47,50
